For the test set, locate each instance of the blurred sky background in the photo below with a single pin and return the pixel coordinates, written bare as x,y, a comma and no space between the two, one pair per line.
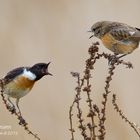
33,31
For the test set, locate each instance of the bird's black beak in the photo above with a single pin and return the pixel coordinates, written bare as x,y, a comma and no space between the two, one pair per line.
89,31
91,35
47,73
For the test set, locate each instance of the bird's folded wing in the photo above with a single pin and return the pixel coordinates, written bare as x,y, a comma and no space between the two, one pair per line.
13,73
125,33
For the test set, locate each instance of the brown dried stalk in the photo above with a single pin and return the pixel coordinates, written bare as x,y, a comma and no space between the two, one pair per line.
87,75
77,99
86,78
122,115
104,102
22,122
83,84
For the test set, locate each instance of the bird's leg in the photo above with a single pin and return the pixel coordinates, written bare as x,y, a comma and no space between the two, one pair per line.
17,102
121,56
112,59
11,108
21,120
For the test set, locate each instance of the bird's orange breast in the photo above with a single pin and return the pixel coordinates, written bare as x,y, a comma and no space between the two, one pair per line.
24,83
119,47
108,41
19,87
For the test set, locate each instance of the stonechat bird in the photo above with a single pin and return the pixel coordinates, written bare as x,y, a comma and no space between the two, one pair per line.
19,81
118,37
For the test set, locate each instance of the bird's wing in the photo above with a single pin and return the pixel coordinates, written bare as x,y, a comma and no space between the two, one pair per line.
136,35
13,74
138,29
122,33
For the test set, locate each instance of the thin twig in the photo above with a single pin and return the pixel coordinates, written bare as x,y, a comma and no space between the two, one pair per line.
122,115
82,126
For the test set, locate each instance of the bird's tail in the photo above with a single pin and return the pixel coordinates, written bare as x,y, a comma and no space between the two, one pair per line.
1,83
136,35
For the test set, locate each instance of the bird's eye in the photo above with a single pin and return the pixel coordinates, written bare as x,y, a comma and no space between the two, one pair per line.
93,29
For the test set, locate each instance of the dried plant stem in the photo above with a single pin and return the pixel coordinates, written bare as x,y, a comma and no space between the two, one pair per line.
82,126
91,113
104,102
22,122
84,85
121,114
80,82
87,89
71,122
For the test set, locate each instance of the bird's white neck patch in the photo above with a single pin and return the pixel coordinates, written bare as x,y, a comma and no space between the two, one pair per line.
132,32
29,74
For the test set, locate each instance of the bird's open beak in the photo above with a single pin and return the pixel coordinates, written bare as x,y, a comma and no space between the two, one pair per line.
47,73
91,35
89,31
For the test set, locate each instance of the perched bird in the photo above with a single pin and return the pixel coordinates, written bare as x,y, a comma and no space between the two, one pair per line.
118,37
19,81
